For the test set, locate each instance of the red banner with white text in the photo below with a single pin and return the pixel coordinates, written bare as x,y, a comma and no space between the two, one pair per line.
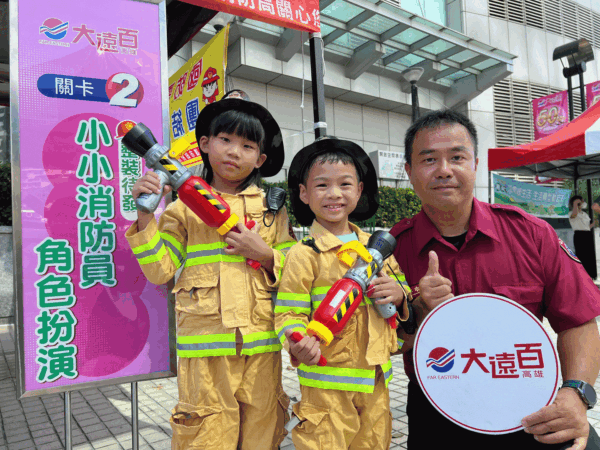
300,15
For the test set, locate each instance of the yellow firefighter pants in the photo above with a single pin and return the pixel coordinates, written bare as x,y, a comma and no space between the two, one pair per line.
341,420
229,403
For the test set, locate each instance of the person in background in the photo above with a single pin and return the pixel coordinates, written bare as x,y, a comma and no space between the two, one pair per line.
583,238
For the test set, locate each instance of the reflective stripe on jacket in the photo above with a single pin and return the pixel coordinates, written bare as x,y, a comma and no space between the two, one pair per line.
216,293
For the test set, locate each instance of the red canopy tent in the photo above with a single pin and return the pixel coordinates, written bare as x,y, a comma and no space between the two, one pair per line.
571,152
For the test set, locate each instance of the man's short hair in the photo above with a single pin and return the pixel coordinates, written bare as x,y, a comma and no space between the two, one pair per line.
433,120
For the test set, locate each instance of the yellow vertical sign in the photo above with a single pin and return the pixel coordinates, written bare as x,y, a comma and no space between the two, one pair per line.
197,83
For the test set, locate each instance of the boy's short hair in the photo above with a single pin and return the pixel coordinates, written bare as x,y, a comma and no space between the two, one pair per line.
332,157
435,119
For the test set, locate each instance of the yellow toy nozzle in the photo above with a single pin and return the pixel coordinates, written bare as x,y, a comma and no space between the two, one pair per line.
229,224
343,253
321,331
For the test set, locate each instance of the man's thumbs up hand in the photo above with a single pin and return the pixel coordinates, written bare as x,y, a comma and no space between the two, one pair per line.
434,264
434,288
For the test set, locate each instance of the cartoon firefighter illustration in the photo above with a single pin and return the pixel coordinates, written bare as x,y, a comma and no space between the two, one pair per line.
210,87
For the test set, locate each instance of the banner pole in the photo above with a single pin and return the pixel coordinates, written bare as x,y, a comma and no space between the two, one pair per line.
317,62
68,440
134,417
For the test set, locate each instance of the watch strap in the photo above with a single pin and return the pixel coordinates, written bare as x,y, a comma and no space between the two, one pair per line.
575,384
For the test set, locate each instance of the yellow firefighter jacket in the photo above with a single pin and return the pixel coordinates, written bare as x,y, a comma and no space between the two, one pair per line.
365,342
216,293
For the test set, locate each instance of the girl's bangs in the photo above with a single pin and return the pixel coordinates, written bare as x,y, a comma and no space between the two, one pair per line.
240,124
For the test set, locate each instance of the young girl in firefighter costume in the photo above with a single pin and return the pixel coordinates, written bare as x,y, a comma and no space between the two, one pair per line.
229,370
345,404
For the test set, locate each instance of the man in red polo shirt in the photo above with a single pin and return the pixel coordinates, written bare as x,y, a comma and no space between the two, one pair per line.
458,245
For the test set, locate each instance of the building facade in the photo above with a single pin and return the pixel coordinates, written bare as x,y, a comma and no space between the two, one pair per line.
367,46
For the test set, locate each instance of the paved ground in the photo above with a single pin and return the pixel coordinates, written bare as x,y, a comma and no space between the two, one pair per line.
102,417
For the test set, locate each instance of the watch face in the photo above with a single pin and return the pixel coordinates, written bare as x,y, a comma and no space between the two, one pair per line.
590,394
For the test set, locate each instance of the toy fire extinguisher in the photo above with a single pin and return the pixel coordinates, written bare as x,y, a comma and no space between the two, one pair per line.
346,294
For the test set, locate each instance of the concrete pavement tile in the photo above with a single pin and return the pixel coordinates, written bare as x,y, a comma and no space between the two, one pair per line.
162,445
40,441
108,447
43,432
166,428
23,445
95,435
395,403
90,419
122,429
93,428
105,442
147,431
19,437
17,418
13,408
40,426
127,443
52,446
86,446
87,409
115,422
155,437
33,414
33,407
106,409
81,439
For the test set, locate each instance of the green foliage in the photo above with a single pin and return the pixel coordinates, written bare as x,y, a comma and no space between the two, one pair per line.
5,195
394,205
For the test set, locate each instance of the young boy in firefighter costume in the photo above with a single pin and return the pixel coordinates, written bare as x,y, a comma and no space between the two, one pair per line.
229,370
345,404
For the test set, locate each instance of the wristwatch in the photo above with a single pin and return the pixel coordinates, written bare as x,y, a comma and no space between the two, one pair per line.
585,391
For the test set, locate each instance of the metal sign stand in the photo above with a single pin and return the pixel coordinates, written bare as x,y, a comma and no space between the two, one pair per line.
68,440
134,419
134,416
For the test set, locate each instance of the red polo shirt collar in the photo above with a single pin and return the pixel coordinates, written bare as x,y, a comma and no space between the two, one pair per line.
480,221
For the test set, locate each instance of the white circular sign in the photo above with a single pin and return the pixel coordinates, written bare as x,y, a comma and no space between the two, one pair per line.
485,362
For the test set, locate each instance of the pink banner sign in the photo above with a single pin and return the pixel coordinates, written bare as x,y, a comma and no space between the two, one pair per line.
88,72
550,114
592,92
